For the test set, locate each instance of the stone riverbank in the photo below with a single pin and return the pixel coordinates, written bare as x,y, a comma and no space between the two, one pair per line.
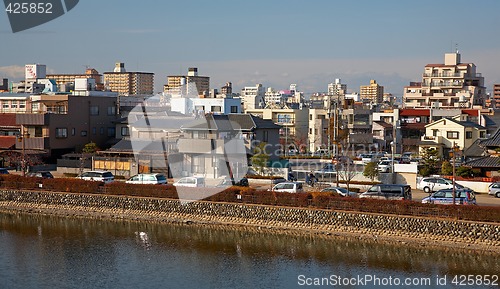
384,228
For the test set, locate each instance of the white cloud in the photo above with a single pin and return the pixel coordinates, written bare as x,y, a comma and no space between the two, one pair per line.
12,72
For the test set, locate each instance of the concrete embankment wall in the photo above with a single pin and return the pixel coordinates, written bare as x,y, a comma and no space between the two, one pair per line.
426,230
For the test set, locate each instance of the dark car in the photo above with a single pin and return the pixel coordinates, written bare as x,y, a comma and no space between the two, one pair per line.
278,180
4,171
243,182
41,174
388,192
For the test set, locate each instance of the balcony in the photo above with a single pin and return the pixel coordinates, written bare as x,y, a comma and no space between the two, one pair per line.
444,84
33,119
443,75
430,138
34,143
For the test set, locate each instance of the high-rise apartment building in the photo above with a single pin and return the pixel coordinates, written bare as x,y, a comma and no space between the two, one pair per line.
191,84
62,79
496,96
450,85
129,83
373,93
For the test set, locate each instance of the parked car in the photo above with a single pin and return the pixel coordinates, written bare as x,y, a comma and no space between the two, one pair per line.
150,179
41,174
278,180
434,184
341,191
406,157
288,187
4,171
388,192
445,197
367,158
494,190
193,182
101,176
386,166
227,182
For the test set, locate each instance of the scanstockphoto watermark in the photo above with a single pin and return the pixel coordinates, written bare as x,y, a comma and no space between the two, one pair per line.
373,280
24,15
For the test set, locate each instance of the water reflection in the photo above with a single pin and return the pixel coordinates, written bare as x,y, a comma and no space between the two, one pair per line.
111,254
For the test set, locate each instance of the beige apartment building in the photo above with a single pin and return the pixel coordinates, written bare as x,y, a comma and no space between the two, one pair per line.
191,84
373,93
450,85
294,123
91,73
129,83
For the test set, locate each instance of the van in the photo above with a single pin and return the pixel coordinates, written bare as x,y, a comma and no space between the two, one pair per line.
388,192
288,187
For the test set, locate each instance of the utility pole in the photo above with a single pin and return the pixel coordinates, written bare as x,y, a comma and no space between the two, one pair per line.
453,170
23,158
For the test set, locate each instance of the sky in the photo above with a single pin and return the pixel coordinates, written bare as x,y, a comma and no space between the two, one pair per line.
273,42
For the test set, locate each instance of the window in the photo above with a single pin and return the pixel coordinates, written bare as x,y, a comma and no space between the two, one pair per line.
482,134
73,131
125,131
94,110
61,132
101,130
38,131
266,136
111,110
22,104
452,134
83,133
234,109
111,131
468,134
94,130
216,109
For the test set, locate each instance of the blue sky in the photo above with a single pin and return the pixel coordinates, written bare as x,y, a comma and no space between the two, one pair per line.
271,42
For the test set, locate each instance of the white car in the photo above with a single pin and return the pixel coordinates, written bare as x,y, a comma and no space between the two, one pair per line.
192,182
150,179
288,187
434,184
99,176
386,166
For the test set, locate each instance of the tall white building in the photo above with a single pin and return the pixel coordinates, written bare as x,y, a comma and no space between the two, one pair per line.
253,97
450,85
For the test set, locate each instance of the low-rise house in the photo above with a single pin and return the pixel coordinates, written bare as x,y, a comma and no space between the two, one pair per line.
447,133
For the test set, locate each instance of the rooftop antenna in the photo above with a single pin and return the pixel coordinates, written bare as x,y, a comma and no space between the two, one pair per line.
456,48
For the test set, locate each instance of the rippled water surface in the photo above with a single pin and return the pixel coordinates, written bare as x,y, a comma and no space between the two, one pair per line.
53,252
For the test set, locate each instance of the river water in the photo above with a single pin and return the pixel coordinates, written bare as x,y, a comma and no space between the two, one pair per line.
55,252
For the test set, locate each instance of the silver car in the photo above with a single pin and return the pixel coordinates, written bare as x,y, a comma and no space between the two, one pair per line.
494,190
434,184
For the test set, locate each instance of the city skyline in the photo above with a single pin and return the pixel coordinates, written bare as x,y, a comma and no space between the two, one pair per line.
309,43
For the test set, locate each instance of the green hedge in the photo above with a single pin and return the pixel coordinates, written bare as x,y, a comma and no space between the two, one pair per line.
247,195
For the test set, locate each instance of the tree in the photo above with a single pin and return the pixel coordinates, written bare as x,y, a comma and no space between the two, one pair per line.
90,148
465,172
446,168
260,157
371,171
430,161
